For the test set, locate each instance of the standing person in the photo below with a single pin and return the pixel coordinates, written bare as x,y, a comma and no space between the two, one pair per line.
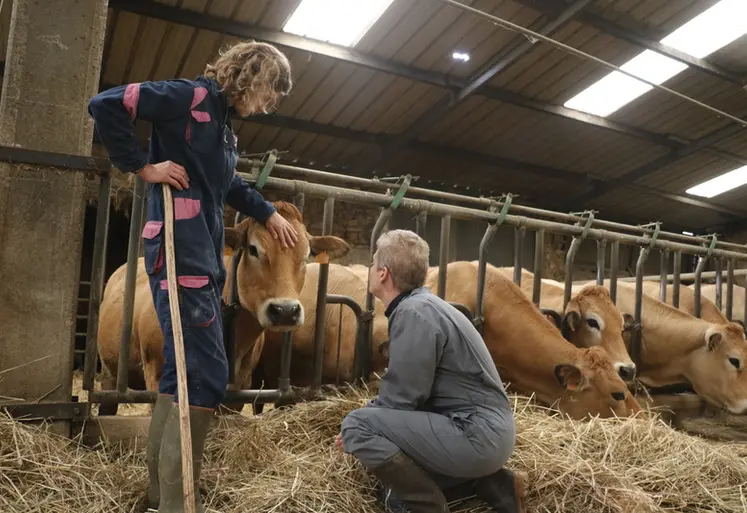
442,420
193,149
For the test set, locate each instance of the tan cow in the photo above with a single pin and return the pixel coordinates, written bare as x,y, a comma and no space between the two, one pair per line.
708,291
531,354
344,281
679,348
708,309
590,318
270,280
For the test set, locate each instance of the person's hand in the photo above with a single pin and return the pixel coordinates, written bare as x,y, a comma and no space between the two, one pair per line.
165,172
281,229
338,440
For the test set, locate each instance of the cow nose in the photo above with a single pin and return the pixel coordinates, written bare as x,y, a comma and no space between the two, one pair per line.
284,314
627,372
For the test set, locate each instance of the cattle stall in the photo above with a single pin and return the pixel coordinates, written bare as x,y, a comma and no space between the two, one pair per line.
389,195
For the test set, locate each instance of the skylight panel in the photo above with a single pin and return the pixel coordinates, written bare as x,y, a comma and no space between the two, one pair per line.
720,184
706,33
341,22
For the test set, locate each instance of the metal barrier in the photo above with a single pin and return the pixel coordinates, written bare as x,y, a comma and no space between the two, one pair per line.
390,195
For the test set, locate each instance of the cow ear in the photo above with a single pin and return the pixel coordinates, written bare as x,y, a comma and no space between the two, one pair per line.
334,246
572,320
570,377
713,339
234,238
552,316
628,322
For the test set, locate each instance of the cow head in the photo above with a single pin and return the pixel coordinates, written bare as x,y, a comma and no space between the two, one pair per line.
591,319
593,387
270,277
718,369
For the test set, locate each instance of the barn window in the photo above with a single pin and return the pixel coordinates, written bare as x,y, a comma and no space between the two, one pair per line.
720,184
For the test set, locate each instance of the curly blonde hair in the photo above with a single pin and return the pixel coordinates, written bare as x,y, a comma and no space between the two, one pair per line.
252,74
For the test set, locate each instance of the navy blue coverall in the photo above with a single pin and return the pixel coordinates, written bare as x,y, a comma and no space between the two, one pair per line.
191,127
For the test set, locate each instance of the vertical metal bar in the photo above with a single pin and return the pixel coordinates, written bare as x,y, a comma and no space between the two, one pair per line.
98,271
614,264
482,265
329,214
443,258
519,234
676,271
420,222
663,269
719,282
285,362
299,201
601,260
744,312
698,279
729,288
229,317
339,348
569,259
539,260
133,249
321,310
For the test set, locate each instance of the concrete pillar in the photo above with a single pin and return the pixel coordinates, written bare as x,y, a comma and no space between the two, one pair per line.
51,71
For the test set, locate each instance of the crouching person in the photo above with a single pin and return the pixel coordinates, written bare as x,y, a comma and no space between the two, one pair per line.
442,424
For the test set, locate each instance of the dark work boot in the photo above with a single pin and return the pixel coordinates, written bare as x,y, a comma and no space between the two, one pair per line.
170,459
504,491
155,433
415,489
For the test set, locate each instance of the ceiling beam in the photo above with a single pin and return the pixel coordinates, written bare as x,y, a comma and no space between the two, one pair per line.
649,168
199,20
499,63
609,27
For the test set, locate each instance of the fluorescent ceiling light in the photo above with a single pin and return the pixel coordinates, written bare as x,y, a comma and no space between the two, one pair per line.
460,56
341,22
706,33
720,184
687,233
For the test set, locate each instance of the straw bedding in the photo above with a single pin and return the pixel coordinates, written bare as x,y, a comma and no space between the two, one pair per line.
286,461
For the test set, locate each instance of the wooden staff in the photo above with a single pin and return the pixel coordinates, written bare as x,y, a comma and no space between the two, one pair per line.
181,362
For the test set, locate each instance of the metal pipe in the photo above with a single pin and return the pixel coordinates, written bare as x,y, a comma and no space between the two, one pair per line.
482,265
443,256
245,166
361,353
677,277
539,260
231,310
328,216
420,222
719,284
614,264
698,271
321,311
299,200
384,216
519,234
570,257
232,396
663,272
286,349
706,275
440,209
729,288
744,312
601,260
98,272
133,250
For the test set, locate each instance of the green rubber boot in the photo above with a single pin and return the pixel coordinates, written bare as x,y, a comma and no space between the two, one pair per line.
155,433
170,459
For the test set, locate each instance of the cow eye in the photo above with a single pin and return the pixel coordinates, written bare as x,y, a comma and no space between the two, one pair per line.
592,323
618,396
735,362
253,250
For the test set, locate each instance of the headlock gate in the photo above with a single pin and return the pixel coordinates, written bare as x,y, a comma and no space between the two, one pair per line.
387,194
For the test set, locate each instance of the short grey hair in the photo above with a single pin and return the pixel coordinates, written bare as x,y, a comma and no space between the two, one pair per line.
406,255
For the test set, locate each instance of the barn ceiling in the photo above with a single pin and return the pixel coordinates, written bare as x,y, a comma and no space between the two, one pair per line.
398,102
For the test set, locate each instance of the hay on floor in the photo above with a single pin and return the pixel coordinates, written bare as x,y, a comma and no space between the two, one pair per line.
286,462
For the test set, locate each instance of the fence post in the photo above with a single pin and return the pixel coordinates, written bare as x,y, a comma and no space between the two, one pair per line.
482,264
571,256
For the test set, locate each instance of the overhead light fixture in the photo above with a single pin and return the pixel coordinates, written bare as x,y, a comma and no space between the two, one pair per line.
460,56
339,22
708,32
720,184
688,233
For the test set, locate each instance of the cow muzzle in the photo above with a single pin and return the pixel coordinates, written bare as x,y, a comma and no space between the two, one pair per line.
281,314
626,371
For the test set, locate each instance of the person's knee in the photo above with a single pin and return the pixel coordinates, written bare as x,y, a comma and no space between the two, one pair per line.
355,427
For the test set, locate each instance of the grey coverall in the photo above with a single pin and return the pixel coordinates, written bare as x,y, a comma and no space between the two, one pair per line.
441,400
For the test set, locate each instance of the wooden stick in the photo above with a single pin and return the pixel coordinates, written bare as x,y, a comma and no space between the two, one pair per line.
181,362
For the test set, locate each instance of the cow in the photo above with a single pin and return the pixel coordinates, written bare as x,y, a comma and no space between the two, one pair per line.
270,280
531,353
708,291
708,309
344,281
678,348
589,319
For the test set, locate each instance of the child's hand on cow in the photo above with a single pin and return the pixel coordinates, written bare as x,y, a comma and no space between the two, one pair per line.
281,229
